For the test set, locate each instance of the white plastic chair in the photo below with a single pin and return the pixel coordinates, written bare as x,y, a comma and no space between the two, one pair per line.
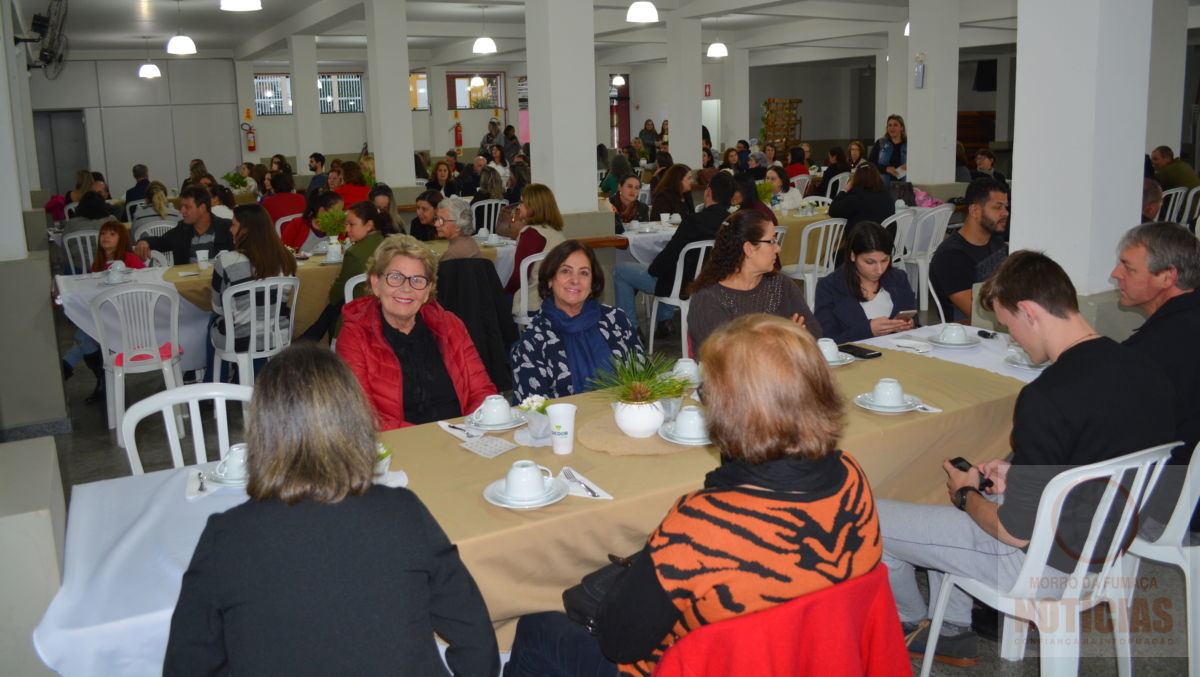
929,229
522,317
348,290
644,194
936,301
800,182
1127,481
834,185
1172,204
902,241
282,220
1190,206
828,233
1173,547
485,213
139,343
701,248
166,402
160,260
816,201
152,228
70,208
131,209
268,299
81,249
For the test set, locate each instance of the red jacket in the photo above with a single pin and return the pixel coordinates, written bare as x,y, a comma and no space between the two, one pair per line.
362,346
280,205
352,194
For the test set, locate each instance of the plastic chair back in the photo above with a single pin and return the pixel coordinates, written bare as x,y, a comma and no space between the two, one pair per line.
131,210
817,201
644,194
700,251
937,302
834,186
265,304
800,182
522,315
930,229
902,242
282,220
81,249
153,228
70,208
190,395
1190,208
485,213
351,285
1172,204
160,260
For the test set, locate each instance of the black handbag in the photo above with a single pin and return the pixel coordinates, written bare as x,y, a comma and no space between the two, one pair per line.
582,602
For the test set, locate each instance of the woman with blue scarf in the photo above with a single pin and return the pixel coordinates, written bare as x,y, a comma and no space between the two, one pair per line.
573,336
890,152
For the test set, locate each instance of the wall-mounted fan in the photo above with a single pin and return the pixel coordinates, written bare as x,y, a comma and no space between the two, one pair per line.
50,31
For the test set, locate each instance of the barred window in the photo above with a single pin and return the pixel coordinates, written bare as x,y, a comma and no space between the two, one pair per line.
340,92
272,94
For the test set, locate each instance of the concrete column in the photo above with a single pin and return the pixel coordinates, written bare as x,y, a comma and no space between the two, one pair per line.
22,112
562,99
735,100
243,73
932,119
306,107
12,233
1004,99
892,80
389,112
1075,91
1168,61
686,88
441,118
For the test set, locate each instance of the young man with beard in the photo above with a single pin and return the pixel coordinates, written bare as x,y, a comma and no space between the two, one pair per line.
971,254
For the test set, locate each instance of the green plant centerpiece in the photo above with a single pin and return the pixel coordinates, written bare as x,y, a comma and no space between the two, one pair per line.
235,180
637,383
333,221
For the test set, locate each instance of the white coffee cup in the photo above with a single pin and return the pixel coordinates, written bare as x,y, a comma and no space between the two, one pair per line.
829,350
493,411
689,423
888,393
115,270
334,252
666,219
562,427
202,260
953,333
686,368
527,480
233,466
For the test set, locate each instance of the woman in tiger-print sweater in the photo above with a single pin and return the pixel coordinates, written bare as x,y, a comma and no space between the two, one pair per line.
787,514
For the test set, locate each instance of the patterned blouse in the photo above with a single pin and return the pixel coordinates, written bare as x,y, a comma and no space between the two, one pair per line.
539,358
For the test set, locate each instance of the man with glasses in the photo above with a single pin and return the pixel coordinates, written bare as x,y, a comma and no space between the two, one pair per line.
971,254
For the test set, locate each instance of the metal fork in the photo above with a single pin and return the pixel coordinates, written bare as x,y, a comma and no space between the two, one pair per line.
567,473
201,476
471,434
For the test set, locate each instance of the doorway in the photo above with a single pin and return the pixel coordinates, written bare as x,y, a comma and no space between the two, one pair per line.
61,140
710,117
618,111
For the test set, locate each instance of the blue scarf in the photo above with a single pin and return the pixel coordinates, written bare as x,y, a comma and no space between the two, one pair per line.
586,348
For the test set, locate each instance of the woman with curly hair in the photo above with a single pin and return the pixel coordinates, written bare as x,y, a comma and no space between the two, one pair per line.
673,194
739,278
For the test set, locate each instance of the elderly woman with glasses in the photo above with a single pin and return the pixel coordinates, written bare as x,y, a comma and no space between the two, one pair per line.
456,224
415,360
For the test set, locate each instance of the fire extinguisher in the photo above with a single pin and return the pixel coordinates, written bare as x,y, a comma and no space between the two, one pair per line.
249,129
458,135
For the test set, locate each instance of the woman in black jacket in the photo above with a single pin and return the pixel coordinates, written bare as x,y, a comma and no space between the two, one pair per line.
865,199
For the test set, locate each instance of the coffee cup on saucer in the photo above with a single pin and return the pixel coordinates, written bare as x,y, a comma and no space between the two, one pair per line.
686,368
888,393
829,350
493,411
526,481
233,467
953,333
115,270
689,423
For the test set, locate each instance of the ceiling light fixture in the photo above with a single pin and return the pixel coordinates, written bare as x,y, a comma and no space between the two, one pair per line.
642,12
477,81
618,80
180,43
483,44
148,70
240,5
717,49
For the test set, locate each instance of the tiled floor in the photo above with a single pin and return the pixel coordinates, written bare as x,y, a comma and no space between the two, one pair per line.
90,453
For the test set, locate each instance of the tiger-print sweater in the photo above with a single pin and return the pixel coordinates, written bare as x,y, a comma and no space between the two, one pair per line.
725,551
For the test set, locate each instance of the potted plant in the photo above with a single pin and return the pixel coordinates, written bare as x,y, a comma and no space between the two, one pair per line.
534,408
637,383
333,221
235,180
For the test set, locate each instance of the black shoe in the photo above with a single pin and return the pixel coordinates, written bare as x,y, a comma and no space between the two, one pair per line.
961,650
97,393
67,370
985,622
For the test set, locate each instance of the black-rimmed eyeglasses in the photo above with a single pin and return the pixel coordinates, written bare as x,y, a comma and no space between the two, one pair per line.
417,282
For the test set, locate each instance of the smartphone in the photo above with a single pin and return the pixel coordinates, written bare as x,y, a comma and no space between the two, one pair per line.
859,351
906,314
965,465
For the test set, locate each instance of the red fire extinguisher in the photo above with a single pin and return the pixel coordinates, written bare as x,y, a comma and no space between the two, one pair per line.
457,134
249,129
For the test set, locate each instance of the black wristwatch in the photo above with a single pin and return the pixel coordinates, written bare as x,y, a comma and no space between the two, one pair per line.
960,496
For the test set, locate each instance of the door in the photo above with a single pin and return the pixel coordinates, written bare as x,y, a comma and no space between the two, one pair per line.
61,140
710,116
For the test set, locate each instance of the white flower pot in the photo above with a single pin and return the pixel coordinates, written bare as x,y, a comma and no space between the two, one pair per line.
638,420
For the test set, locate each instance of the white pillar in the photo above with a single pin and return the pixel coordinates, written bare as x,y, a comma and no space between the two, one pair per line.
441,118
932,119
12,235
1004,99
685,88
895,73
388,107
1168,60
735,100
243,73
562,99
306,106
22,112
1075,91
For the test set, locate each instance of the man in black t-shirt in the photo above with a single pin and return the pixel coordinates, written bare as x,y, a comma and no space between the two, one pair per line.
971,254
1098,400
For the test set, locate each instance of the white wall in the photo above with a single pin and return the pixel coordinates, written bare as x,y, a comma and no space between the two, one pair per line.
648,85
968,99
825,89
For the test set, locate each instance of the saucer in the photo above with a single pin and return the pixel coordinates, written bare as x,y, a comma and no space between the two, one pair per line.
1015,361
217,479
494,494
124,280
867,401
667,432
518,419
971,342
331,262
843,359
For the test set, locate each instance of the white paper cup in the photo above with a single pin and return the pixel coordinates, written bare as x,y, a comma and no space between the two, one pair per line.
829,349
562,427
953,333
233,466
526,480
666,219
689,423
888,393
493,411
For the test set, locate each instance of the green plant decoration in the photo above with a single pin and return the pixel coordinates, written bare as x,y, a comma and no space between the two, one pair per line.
333,221
637,378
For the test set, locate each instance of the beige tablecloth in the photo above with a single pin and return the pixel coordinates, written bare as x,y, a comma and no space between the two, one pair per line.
523,560
789,251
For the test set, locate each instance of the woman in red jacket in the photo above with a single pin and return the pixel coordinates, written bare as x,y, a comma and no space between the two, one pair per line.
413,358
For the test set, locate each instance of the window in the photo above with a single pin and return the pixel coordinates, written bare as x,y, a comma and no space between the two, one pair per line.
418,91
461,95
272,94
340,92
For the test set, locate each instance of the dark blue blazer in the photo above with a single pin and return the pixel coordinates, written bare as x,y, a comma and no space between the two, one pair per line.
840,314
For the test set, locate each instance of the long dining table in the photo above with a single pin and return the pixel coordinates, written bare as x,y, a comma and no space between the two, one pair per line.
129,539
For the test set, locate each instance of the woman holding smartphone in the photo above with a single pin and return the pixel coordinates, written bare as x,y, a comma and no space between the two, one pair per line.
865,296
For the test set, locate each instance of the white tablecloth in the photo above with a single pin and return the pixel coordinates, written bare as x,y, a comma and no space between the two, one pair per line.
643,247
75,293
505,256
988,355
138,528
